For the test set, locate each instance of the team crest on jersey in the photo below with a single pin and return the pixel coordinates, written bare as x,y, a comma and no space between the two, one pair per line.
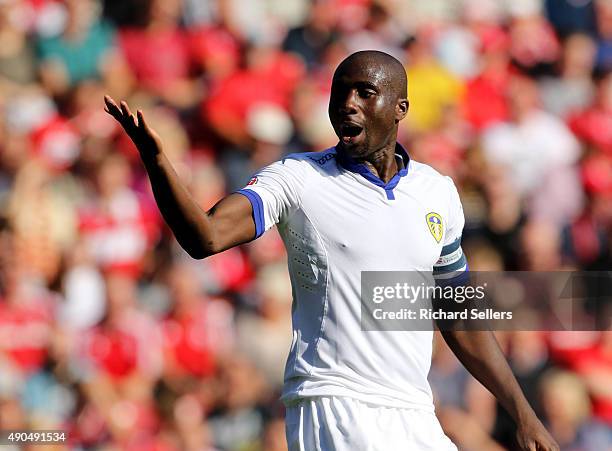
253,181
434,223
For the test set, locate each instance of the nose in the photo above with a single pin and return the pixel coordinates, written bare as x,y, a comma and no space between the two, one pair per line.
349,105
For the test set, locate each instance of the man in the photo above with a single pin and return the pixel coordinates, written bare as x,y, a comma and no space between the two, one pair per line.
358,206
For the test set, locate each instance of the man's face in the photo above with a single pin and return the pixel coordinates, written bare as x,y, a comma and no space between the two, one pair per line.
364,108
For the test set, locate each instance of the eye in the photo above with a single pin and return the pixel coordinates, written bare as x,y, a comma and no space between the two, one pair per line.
366,93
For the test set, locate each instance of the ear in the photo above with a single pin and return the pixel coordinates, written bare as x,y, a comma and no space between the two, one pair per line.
401,109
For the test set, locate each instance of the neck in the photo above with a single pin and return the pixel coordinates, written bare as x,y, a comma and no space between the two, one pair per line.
382,162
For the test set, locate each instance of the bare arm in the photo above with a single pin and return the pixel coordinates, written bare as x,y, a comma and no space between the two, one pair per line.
200,233
481,355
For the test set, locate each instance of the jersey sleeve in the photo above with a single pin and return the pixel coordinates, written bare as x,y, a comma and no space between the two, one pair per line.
452,265
274,193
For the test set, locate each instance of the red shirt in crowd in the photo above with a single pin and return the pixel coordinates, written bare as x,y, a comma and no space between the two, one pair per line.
195,339
26,332
119,235
233,97
158,58
485,100
594,127
122,347
587,355
597,362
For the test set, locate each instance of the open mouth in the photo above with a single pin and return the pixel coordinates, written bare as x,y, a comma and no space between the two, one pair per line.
349,131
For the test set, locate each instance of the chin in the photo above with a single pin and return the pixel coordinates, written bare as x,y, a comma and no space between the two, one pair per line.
354,150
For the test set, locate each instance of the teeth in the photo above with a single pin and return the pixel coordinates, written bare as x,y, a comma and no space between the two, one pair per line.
351,130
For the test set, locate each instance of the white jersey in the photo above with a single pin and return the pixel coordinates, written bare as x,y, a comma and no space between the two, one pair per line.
337,219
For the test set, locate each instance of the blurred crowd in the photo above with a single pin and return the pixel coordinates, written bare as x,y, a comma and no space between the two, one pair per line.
110,332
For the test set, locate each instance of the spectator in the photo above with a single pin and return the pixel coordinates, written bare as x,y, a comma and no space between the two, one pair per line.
484,102
431,90
604,29
573,89
538,150
17,58
116,226
231,101
566,405
84,50
588,124
159,54
310,40
199,330
533,43
595,367
569,17
267,334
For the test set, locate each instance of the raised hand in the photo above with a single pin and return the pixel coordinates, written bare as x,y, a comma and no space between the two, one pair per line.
200,233
145,138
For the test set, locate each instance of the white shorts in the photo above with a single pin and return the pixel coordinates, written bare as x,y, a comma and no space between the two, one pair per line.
345,424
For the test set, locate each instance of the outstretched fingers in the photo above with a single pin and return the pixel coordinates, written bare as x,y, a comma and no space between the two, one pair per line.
112,108
141,121
143,125
121,113
134,124
128,116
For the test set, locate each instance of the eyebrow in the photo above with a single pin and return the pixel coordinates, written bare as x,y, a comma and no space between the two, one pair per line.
367,84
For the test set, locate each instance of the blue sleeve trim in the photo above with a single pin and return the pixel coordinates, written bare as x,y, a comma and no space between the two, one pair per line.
450,248
451,267
459,279
258,210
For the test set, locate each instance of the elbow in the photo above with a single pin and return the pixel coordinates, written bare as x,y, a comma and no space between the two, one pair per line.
198,244
200,251
197,254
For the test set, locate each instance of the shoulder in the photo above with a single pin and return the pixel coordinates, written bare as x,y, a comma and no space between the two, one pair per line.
309,161
321,158
298,167
432,180
425,172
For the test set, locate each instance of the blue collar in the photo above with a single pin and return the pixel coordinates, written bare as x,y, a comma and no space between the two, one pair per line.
361,168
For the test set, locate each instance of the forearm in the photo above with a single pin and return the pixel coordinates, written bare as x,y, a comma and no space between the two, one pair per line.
481,355
229,223
189,223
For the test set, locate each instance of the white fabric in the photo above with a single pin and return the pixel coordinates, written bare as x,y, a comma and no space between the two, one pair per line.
336,223
344,424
